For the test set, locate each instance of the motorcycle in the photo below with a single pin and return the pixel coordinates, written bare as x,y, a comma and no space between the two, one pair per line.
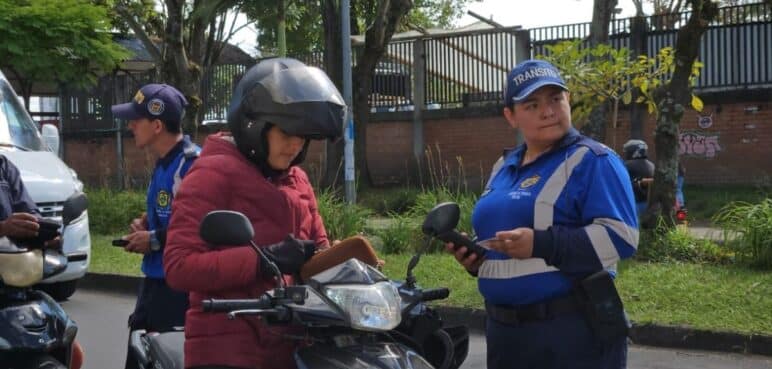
352,315
35,332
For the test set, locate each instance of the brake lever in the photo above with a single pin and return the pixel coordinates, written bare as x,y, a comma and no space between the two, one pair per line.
233,314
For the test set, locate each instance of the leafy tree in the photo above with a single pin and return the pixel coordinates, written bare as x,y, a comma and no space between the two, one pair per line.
671,100
67,42
184,38
601,74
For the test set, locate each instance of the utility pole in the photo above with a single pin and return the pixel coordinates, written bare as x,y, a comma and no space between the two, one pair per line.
348,150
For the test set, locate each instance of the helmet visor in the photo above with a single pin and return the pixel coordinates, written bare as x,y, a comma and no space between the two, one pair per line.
298,85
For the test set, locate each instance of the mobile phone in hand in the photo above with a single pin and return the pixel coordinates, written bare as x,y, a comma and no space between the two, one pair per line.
120,243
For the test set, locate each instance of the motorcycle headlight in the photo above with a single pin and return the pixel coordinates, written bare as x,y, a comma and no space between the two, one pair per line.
372,307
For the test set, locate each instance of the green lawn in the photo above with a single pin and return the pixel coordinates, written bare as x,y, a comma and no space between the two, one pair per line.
109,259
726,298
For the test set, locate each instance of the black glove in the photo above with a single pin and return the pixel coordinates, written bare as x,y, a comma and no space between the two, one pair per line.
288,255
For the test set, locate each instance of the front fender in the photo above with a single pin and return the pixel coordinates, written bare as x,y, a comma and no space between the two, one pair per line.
380,355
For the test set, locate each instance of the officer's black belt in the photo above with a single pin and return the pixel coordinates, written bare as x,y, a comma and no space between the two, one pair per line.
514,315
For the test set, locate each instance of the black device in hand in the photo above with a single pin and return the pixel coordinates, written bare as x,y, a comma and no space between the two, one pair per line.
441,223
49,229
459,240
120,242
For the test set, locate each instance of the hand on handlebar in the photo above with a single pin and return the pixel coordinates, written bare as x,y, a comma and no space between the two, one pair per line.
288,255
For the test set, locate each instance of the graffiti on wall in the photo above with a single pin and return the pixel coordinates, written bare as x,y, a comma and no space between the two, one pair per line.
698,144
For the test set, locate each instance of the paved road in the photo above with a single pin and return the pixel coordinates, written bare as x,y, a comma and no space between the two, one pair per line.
103,334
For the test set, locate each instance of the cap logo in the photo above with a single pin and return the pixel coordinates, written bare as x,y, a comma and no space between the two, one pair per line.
534,73
155,106
139,97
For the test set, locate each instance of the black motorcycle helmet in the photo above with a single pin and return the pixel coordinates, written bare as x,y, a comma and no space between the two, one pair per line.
635,149
299,99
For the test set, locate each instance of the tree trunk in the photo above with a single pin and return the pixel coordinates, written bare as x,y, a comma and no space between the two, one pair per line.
638,46
177,69
672,100
599,34
377,38
332,175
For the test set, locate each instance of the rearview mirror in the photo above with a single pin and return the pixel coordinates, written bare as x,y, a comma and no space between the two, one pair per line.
73,207
441,219
224,227
50,136
53,263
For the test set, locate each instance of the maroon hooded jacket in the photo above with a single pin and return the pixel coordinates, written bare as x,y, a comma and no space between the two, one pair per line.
223,179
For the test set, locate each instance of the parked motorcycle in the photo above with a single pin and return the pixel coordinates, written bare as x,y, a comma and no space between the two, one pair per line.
35,332
353,316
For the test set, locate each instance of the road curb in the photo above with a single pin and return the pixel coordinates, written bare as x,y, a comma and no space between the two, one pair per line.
641,334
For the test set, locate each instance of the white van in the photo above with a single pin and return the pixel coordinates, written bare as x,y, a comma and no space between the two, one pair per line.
49,182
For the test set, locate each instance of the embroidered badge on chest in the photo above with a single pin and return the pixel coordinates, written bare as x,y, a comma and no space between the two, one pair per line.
163,199
528,182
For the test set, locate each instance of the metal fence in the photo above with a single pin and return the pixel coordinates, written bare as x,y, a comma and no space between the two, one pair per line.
467,69
89,111
217,86
736,50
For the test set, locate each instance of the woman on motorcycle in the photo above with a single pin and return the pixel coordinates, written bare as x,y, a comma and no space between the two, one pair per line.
277,108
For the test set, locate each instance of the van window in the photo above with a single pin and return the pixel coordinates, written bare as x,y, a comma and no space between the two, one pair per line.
22,132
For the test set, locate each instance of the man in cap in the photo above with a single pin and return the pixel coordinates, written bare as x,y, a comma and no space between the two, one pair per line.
155,115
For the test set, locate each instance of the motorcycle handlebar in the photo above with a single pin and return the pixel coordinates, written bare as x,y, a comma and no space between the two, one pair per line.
435,294
217,305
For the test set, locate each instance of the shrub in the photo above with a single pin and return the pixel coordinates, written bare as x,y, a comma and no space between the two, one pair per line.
677,244
389,201
402,235
341,220
428,199
750,227
110,211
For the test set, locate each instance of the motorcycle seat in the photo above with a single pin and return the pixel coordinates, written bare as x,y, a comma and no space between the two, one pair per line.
168,349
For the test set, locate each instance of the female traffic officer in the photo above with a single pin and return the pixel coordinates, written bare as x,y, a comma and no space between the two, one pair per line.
557,209
277,107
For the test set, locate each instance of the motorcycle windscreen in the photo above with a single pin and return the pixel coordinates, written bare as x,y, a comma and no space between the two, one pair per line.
351,271
358,356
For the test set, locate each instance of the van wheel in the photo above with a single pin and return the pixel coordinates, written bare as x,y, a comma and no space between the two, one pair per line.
60,291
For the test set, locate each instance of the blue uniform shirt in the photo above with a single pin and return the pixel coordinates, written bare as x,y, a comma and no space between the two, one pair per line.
578,199
167,176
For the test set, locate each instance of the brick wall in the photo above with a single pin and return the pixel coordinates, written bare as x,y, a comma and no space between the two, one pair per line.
95,160
736,147
733,146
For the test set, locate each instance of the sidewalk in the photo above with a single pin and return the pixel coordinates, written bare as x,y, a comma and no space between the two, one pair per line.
648,335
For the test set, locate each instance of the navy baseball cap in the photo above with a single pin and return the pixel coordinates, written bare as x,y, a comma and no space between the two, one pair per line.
153,101
529,76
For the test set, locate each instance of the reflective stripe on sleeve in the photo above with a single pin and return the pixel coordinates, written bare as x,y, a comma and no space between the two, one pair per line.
543,212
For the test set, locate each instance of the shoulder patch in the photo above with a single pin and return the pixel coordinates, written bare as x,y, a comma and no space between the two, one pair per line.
596,147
